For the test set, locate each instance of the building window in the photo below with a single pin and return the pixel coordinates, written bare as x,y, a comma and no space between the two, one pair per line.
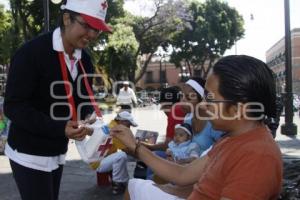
163,77
149,77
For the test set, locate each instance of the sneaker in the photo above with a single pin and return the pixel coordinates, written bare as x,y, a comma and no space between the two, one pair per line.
118,188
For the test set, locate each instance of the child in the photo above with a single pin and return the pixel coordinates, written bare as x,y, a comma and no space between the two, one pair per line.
117,161
182,147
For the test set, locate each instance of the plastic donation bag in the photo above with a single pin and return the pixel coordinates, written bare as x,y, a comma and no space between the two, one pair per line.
94,148
97,146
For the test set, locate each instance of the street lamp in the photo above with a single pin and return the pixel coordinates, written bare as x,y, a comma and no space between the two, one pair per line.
46,13
161,54
289,128
160,71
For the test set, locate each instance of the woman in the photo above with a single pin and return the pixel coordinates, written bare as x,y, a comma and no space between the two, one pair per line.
244,164
204,134
44,82
169,97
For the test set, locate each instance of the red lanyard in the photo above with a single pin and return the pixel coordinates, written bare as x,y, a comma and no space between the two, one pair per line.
70,97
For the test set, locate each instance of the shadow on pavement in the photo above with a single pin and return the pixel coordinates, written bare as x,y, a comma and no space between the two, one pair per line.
8,188
291,181
78,183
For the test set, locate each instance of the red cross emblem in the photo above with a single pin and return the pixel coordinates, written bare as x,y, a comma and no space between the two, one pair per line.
104,147
104,5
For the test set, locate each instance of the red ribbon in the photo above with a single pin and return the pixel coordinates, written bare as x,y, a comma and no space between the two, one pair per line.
70,97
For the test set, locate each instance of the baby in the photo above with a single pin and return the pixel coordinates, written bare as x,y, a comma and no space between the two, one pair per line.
181,147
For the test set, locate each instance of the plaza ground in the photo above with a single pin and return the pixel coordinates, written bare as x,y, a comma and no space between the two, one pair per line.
79,182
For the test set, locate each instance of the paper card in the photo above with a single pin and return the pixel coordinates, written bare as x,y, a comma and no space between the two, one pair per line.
146,136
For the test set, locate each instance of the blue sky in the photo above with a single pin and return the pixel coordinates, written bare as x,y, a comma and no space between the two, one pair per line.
262,32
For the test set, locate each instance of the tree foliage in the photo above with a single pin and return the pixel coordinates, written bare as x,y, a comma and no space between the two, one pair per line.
155,31
196,31
27,21
5,35
148,34
29,17
210,29
118,57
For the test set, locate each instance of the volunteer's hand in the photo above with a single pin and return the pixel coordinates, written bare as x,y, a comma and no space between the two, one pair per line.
72,131
90,119
125,135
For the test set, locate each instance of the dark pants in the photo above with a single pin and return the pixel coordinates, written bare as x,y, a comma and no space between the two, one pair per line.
126,108
35,184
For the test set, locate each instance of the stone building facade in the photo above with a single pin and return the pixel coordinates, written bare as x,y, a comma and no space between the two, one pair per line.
275,58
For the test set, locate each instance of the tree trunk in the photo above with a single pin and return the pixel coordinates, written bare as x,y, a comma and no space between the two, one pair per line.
189,67
144,68
209,67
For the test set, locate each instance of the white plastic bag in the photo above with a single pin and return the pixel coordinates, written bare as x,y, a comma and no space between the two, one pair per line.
95,147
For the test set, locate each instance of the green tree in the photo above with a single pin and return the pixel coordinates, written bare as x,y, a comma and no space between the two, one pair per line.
5,36
114,12
155,31
28,20
118,57
148,33
210,29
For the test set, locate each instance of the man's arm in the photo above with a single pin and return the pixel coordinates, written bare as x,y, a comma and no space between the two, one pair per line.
172,172
133,97
162,146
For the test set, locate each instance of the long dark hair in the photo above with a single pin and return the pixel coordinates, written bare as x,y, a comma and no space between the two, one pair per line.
170,94
247,79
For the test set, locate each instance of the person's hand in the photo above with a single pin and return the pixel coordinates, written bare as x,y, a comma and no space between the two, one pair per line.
169,155
73,131
168,152
90,119
125,135
146,144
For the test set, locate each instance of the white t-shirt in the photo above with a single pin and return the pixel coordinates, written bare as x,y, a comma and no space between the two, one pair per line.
126,97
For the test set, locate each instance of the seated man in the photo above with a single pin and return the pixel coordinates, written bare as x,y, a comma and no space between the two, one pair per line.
117,162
